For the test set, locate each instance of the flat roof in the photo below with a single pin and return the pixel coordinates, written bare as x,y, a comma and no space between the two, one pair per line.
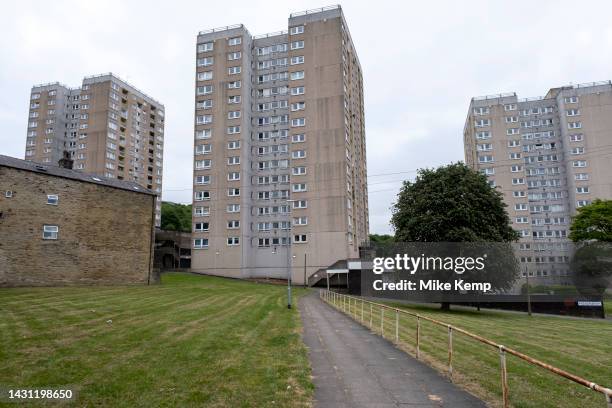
57,171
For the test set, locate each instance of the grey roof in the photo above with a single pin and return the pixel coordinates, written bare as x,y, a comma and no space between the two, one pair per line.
57,171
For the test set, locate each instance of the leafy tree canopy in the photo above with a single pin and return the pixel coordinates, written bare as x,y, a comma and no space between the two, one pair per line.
593,222
176,217
382,238
452,203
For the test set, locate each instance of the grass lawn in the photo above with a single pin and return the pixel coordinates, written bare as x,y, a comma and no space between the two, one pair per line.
582,347
191,341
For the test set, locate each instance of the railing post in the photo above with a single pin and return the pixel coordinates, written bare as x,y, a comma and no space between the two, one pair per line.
361,311
504,376
418,337
396,326
450,352
371,314
382,320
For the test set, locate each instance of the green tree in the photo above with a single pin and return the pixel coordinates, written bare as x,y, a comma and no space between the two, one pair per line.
452,203
381,238
176,217
593,222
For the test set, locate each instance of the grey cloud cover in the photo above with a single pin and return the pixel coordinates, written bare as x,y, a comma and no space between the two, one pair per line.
422,62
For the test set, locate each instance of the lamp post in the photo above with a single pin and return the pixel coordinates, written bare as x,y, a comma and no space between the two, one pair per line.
289,259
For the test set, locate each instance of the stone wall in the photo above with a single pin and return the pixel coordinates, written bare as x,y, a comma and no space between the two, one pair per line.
105,233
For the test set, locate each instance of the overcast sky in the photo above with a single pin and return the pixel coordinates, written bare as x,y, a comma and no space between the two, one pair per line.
422,62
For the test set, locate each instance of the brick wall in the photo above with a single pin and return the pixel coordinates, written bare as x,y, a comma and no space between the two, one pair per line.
105,233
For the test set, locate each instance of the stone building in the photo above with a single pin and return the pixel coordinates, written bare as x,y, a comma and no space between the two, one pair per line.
64,227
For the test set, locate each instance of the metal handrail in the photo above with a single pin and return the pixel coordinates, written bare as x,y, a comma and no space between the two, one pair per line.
607,392
218,29
314,11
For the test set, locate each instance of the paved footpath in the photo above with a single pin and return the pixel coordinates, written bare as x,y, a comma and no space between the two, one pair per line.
353,367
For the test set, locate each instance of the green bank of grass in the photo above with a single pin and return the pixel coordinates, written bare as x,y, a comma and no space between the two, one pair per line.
191,341
580,346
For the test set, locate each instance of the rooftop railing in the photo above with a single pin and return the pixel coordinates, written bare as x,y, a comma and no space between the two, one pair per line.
219,29
274,34
494,96
314,11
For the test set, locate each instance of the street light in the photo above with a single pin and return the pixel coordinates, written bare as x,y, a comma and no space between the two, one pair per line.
289,261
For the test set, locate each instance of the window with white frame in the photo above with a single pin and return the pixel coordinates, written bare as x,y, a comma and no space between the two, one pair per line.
515,156
485,159
299,59
234,85
206,104
233,192
296,75
233,160
298,90
581,176
296,30
514,143
576,137
483,110
200,211
571,99
205,62
50,231
204,90
233,176
300,204
200,227
577,150
298,122
516,168
205,76
201,195
298,154
296,106
203,134
511,119
52,199
298,187
203,149
579,163
582,203
232,56
202,179
203,164
582,190
300,238
572,112
510,107
299,138
298,171
234,144
300,221
233,208
233,99
483,135
233,114
233,224
517,181
482,122
512,131
200,243
296,45
232,130
521,207
205,47
204,119
574,125
518,194
234,41
234,70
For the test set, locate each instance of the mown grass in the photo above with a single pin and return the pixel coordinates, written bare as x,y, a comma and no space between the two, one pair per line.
191,341
580,346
